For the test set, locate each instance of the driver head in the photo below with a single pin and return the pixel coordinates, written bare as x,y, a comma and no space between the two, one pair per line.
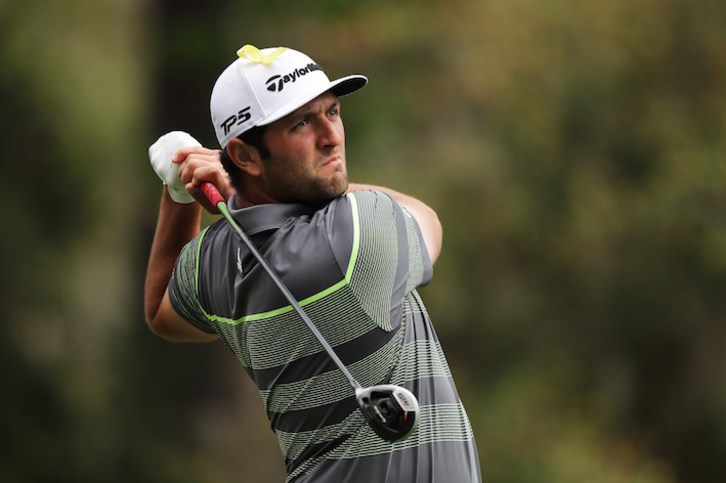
391,411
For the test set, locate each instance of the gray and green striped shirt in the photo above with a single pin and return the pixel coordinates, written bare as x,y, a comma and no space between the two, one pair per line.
353,265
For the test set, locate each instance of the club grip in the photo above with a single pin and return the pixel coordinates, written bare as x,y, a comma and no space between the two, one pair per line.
212,193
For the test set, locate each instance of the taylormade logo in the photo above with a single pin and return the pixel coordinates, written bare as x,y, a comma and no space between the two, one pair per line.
277,82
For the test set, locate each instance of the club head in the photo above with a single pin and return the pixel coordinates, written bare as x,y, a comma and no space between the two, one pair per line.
391,411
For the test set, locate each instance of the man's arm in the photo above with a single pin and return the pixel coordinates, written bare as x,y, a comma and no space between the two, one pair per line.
178,223
427,219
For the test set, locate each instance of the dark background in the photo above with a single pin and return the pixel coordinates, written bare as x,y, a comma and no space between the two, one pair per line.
573,150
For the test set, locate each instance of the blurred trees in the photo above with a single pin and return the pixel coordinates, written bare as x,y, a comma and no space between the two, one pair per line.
574,152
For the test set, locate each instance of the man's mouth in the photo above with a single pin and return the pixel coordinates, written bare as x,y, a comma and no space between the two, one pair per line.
333,160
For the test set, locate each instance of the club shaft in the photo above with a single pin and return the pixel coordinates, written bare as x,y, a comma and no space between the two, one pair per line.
221,205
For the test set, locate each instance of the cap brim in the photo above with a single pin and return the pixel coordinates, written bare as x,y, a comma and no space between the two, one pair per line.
340,87
348,85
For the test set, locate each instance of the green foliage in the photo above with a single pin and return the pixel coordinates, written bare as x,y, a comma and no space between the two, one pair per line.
573,150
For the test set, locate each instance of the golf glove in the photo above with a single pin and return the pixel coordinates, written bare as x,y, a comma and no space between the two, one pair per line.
160,154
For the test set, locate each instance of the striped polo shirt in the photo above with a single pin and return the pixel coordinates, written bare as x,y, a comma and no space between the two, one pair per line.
353,265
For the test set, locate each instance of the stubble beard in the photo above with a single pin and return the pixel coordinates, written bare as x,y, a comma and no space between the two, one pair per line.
301,185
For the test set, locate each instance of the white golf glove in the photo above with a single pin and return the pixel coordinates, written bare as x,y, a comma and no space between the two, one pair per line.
160,154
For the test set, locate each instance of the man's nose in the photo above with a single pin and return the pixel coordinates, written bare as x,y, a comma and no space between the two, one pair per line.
329,133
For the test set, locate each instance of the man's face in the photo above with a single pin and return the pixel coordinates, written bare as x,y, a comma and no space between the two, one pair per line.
307,153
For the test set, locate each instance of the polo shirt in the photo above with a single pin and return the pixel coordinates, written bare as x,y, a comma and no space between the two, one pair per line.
353,265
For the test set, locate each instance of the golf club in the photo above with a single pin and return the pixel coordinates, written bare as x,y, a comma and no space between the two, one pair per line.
391,411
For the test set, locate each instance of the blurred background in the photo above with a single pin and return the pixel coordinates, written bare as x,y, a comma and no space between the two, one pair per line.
573,150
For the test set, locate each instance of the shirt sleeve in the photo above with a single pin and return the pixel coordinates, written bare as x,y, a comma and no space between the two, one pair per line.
389,256
420,267
184,287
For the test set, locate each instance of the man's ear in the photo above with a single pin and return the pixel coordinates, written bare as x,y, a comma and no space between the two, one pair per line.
245,157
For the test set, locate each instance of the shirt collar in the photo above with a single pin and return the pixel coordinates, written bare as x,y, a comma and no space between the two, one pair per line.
271,216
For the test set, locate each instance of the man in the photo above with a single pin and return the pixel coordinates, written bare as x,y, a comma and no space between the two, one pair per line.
351,254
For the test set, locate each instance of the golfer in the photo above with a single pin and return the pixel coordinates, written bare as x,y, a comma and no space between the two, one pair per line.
352,255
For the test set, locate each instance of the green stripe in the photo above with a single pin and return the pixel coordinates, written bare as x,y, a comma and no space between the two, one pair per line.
356,237
199,251
313,298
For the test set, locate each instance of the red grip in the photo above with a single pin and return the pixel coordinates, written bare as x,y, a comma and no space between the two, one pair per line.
212,193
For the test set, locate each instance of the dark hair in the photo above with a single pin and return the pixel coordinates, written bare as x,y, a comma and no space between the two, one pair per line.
254,137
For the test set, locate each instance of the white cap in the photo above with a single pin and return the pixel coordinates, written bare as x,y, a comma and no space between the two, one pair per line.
262,86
